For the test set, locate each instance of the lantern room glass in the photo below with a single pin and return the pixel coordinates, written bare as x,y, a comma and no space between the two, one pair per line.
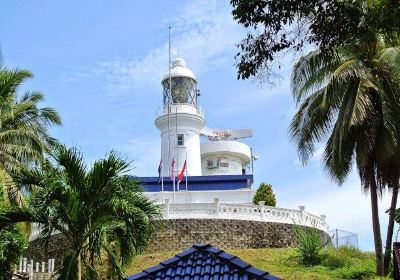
183,91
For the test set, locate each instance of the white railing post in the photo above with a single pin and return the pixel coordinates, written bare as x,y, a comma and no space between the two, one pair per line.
216,206
37,267
20,265
43,266
49,266
261,205
52,264
166,207
24,265
302,214
31,270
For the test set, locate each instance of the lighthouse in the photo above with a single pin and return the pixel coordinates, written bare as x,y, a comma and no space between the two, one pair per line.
215,163
180,121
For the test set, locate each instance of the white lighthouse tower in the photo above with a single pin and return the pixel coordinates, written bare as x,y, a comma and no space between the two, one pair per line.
180,121
217,164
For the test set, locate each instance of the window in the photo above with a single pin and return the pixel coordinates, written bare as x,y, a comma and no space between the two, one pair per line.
210,163
181,141
224,164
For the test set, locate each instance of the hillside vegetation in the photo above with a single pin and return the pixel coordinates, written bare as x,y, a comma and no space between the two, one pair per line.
343,263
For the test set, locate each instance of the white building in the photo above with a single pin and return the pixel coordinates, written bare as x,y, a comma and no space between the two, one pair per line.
216,162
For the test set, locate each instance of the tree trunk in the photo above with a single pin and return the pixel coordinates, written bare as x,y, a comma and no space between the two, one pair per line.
389,236
376,226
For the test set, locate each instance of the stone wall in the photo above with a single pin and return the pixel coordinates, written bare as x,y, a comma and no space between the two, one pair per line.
55,247
179,234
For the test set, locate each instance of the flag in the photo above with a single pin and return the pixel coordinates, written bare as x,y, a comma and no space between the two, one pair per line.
172,174
159,171
182,172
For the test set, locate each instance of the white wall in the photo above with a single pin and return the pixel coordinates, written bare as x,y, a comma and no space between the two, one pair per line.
227,196
234,153
190,122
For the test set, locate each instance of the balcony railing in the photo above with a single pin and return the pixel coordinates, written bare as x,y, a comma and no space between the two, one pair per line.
181,108
259,212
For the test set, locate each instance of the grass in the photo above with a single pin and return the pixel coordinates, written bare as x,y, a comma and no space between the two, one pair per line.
342,263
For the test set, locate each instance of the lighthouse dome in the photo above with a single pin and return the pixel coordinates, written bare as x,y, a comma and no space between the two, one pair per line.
179,69
183,87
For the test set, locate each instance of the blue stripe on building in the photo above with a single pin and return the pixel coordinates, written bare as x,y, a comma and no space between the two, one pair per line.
199,183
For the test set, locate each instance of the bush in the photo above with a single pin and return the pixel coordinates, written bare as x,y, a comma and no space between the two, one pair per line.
12,244
309,245
348,262
265,193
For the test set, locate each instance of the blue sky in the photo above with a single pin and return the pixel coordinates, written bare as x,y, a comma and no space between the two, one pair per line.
100,64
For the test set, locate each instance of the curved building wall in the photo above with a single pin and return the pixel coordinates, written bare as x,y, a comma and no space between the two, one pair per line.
224,157
190,122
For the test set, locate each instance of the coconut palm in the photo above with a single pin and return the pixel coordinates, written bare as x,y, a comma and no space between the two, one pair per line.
24,137
101,211
350,99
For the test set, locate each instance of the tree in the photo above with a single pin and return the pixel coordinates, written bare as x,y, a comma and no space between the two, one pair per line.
24,137
265,193
100,210
351,100
12,243
279,27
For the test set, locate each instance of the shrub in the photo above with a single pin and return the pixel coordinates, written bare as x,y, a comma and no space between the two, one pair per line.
265,193
12,244
309,245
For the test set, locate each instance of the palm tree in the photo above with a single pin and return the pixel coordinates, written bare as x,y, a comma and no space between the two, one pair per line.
350,99
24,137
100,210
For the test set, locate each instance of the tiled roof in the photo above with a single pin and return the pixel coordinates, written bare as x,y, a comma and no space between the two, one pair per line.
203,262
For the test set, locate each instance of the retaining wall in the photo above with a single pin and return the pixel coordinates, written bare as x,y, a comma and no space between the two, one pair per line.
179,234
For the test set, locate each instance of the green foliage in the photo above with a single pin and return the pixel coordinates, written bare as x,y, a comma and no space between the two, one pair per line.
100,209
12,244
278,27
265,193
349,263
341,263
309,245
24,136
12,240
350,102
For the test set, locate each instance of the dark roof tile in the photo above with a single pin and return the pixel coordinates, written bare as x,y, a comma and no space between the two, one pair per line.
203,262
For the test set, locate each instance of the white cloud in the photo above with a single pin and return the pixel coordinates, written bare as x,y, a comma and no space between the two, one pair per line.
203,32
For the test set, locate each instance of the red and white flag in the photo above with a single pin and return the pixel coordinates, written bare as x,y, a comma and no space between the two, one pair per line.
182,172
173,173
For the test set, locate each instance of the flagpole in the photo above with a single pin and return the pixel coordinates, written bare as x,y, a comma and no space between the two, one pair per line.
173,184
186,180
176,139
162,182
169,101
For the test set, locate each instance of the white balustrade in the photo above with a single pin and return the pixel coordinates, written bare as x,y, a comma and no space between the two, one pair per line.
32,267
261,212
